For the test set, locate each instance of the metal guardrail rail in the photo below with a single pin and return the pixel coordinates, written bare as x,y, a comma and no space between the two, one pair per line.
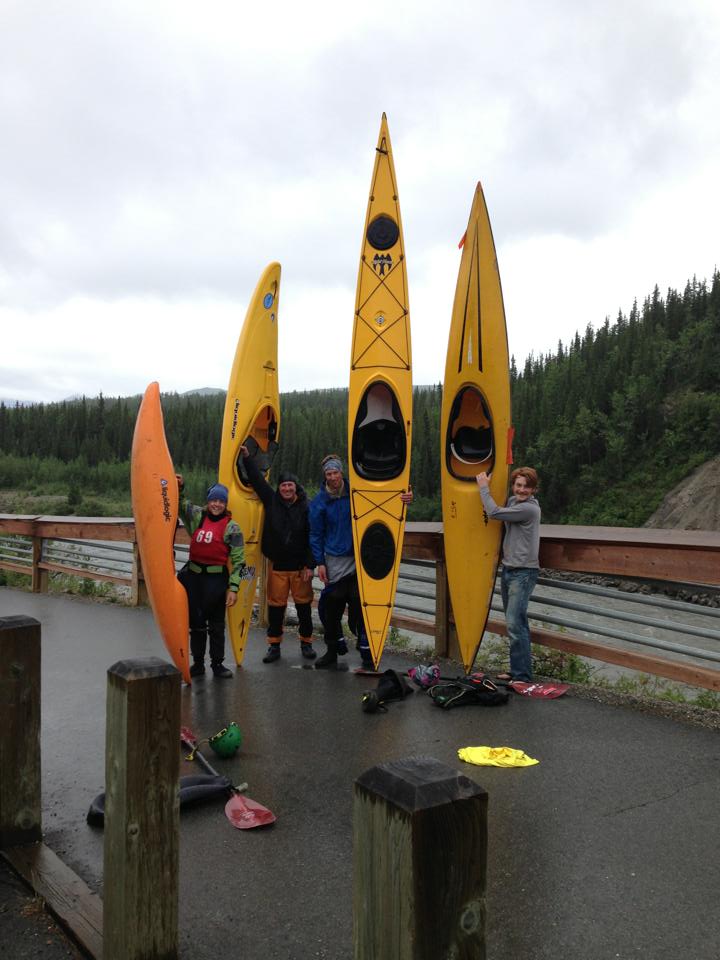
545,596
594,630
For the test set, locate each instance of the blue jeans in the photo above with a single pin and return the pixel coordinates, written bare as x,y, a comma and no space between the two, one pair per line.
516,586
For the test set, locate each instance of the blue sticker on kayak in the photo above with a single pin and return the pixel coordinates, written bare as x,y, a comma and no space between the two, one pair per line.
268,301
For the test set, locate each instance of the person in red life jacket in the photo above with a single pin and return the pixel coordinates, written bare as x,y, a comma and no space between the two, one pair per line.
212,575
286,544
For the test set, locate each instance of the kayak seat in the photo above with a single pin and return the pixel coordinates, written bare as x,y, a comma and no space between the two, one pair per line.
378,445
379,450
472,445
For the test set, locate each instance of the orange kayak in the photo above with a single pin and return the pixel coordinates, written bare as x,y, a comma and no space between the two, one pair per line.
155,501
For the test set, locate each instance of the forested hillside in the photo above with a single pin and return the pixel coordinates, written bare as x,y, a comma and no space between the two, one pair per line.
616,419
611,421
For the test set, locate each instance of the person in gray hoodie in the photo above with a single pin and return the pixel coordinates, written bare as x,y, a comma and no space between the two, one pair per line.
520,564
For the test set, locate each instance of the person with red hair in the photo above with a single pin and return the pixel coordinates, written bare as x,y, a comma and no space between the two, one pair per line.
520,564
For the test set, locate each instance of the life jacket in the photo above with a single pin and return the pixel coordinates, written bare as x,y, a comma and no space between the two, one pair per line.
207,545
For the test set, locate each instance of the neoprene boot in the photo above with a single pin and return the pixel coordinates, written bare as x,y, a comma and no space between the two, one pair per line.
306,649
220,670
329,658
273,653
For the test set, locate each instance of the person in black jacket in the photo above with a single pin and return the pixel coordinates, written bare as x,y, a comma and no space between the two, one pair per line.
286,544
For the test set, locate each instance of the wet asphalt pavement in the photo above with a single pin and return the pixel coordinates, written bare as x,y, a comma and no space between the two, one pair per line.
606,849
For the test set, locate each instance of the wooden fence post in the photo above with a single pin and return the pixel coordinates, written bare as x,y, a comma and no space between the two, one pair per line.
138,590
420,863
20,795
442,609
446,639
135,576
262,601
142,811
39,577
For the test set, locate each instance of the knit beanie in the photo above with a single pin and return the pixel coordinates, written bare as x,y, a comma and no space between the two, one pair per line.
287,477
218,492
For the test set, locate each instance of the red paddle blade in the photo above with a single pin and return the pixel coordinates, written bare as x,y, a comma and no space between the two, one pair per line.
244,813
188,736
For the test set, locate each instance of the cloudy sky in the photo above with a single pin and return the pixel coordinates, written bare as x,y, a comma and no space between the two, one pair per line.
157,154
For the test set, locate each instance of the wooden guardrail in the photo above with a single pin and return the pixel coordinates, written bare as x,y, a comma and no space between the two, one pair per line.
676,556
673,556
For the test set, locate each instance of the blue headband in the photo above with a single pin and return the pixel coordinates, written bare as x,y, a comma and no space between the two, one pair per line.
332,464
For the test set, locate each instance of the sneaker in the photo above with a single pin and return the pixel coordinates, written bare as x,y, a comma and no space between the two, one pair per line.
197,669
220,670
342,647
273,653
306,649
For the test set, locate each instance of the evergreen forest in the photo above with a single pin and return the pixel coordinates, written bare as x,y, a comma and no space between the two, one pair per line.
612,421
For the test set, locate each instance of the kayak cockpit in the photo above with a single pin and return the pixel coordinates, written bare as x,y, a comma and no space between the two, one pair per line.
261,444
469,441
379,447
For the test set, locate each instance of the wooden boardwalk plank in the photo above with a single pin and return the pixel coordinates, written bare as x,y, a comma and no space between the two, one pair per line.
68,898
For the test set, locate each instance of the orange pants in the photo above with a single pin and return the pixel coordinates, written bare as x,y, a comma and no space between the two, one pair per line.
281,583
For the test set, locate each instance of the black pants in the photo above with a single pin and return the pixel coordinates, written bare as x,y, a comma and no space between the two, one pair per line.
206,599
276,617
334,599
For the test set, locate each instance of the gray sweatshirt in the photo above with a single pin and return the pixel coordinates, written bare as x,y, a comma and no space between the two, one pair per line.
521,545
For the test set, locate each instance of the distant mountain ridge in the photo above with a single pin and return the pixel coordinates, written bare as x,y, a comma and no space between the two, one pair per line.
202,392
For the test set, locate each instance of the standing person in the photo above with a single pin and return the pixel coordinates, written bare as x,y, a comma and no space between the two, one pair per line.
520,566
331,541
215,541
286,544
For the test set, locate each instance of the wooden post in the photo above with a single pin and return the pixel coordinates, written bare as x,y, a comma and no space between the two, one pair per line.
420,863
135,576
138,590
446,639
262,599
20,796
442,609
142,811
39,577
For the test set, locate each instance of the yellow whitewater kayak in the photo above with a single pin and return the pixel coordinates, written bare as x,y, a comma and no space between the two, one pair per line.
380,400
475,430
252,417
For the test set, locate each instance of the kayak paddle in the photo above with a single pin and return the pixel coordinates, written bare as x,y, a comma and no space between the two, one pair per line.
242,812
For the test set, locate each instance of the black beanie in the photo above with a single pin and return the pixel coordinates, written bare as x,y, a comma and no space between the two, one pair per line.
287,477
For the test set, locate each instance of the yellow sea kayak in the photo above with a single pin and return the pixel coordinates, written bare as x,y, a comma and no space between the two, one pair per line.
252,417
380,400
155,501
475,430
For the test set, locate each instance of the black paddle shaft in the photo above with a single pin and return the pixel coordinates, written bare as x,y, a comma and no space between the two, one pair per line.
205,764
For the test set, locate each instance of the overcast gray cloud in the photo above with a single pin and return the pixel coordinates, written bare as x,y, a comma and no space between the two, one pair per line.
157,156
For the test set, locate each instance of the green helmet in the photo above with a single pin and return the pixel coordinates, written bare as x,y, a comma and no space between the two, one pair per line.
227,740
